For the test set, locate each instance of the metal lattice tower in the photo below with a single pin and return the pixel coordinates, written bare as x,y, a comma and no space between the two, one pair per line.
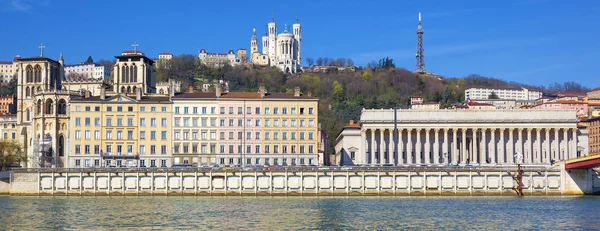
420,66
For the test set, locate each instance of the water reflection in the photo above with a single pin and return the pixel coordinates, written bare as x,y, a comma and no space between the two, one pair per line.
303,213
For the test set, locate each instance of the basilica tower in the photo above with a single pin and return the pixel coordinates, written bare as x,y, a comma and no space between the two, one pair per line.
298,37
253,42
272,33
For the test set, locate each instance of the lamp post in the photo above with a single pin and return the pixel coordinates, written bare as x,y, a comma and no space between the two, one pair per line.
519,159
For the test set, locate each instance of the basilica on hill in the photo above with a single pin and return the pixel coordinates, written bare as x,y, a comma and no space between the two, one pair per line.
278,50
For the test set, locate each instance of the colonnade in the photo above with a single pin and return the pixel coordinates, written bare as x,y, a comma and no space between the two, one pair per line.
468,145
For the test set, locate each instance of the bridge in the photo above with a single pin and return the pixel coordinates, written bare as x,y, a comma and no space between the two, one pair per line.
584,162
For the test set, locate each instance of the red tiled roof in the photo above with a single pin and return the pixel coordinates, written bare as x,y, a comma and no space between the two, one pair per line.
566,102
165,53
480,104
237,95
5,62
132,51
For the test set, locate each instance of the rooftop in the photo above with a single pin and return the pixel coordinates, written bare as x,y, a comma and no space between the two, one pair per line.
238,95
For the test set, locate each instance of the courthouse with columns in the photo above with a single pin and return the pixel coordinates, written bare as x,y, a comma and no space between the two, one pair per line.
441,137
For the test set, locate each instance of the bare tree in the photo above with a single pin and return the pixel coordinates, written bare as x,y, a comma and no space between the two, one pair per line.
320,61
310,61
349,62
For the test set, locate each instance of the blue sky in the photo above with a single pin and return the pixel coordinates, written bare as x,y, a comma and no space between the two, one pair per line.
529,41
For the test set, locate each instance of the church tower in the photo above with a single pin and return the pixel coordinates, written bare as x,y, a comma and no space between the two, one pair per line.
272,33
298,37
133,71
253,42
42,111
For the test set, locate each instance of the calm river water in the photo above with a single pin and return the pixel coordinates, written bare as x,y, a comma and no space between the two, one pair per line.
300,213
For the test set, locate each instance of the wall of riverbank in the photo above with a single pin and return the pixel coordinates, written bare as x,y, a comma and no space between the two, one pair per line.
413,182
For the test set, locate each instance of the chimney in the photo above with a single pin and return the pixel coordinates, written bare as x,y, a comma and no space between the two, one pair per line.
309,94
191,89
102,93
262,90
351,122
138,95
297,92
218,90
88,94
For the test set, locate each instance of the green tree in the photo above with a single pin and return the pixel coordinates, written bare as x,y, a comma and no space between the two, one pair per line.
493,96
11,152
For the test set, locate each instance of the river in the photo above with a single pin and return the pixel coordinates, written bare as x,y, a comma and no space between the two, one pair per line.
300,213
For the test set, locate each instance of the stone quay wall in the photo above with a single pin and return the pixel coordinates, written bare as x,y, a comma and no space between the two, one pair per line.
392,182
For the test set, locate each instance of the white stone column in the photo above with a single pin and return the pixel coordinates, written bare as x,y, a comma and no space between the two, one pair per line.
492,148
409,149
391,147
529,156
463,160
509,155
483,151
539,146
549,147
427,152
400,147
436,146
502,151
381,146
475,145
419,147
574,145
520,144
445,147
555,154
565,145
363,145
372,147
455,151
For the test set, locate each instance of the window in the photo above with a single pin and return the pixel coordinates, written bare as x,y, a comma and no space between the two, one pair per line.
275,111
222,136
119,108
267,122
267,111
129,108
293,111
163,163
222,110
203,110
77,149
222,123
77,162
194,122
310,136
276,135
213,135
163,109
257,149
204,122
213,122
109,148
213,110
352,155
284,110
142,135
267,137
248,148
108,108
311,123
239,110
176,110
194,135
203,134
186,110
257,110
293,149
293,122
119,135
275,123
310,111
310,149
96,108
108,121
230,110
88,108
109,135
248,122
119,121
186,122
163,122
185,135
130,135
152,135
142,108
152,149
239,122
275,149
97,135
153,122
163,135
240,135
163,149
97,121
248,110
153,163
77,121
301,111
77,135
230,122
176,136
130,121
248,135
222,148
301,135
142,121
284,123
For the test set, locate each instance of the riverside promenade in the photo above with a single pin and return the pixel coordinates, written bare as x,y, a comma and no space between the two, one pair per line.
292,181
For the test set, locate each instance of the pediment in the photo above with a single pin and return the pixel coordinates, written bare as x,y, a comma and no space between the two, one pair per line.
121,98
353,149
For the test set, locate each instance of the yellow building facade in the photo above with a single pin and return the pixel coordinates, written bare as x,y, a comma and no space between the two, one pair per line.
120,131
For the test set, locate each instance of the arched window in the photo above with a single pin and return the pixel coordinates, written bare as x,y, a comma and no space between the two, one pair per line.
49,107
27,92
61,144
126,74
161,91
62,107
134,89
131,74
37,73
122,89
123,74
38,109
28,115
135,74
128,89
29,74
39,89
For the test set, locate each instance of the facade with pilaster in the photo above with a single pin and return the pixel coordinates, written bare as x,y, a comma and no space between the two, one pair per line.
476,137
